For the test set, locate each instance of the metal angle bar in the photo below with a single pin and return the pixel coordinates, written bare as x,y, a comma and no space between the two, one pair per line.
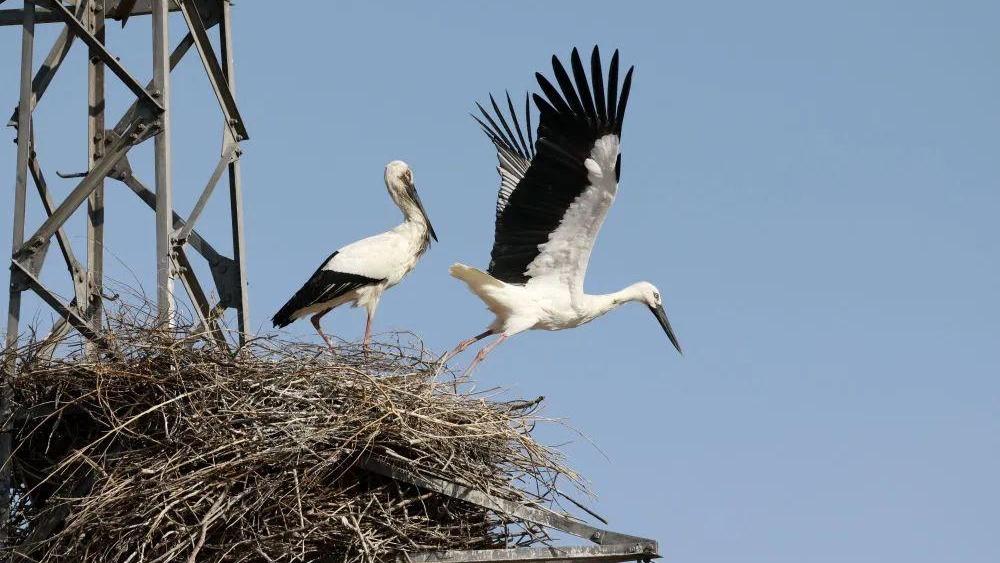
23,156
224,269
241,300
229,152
17,236
93,303
162,168
142,8
48,345
76,270
98,48
83,190
214,70
595,553
68,313
52,63
146,195
197,294
134,111
538,516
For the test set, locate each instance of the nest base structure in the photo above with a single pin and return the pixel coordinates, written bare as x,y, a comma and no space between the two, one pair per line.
164,447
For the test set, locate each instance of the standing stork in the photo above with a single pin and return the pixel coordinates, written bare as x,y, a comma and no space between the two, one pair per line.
554,194
360,272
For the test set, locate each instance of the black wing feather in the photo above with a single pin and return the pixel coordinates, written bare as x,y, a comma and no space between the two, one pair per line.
324,285
513,157
597,77
517,126
613,88
626,86
566,85
569,125
582,85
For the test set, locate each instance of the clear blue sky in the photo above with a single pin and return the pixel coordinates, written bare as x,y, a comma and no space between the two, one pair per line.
815,188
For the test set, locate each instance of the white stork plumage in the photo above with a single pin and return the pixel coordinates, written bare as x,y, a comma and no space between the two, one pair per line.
360,272
554,194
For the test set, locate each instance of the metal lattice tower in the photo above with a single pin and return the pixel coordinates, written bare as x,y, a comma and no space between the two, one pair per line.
148,117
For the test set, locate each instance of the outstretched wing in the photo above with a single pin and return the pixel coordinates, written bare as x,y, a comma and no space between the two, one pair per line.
547,226
514,155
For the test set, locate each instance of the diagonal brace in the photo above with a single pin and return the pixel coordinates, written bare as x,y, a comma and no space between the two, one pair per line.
545,518
69,313
224,269
229,152
204,310
106,57
52,63
121,145
76,270
220,83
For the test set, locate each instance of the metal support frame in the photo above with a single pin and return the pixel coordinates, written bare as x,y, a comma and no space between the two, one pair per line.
610,546
107,149
95,150
148,117
239,296
162,168
20,189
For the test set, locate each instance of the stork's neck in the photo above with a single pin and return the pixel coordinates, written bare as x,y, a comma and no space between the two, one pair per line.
414,228
598,305
412,214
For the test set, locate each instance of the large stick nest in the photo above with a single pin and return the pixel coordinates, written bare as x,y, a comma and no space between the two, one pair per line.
168,449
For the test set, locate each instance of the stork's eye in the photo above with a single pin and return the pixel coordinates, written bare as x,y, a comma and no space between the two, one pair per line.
656,296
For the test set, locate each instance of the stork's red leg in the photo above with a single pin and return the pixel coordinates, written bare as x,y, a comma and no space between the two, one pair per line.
368,329
482,354
463,345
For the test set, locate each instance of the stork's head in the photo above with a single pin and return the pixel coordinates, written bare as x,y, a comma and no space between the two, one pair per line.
647,293
403,191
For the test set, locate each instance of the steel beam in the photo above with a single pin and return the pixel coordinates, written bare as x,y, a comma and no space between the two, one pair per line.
71,314
228,154
14,302
92,302
538,516
216,76
133,133
115,9
568,554
76,270
137,109
241,299
204,310
52,63
97,48
224,271
162,168
47,346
